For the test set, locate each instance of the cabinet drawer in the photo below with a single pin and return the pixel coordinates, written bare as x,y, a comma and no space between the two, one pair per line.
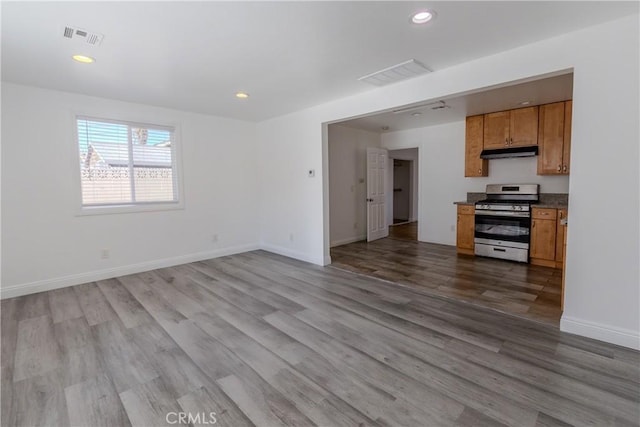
466,209
544,213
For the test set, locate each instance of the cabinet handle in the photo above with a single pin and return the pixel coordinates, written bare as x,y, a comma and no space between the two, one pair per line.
510,141
506,142
560,214
559,168
533,225
479,170
564,168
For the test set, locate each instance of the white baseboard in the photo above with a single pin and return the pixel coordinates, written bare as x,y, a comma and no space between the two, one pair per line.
92,276
601,332
348,240
292,254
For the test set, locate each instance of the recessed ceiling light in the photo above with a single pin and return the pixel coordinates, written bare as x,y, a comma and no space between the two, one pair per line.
525,103
423,16
416,114
83,59
242,95
385,128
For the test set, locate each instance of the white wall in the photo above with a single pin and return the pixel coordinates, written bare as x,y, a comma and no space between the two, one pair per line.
45,244
442,181
348,182
602,296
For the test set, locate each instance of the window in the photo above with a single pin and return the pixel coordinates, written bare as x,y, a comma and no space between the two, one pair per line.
123,164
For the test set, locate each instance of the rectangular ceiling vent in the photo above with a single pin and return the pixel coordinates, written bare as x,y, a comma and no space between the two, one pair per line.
81,34
402,71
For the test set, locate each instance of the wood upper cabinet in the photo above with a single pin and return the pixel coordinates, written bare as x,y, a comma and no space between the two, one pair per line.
566,147
465,229
473,164
543,236
523,128
513,128
496,130
554,130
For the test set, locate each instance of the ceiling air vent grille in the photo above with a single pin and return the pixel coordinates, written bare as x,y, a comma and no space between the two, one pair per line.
80,34
395,73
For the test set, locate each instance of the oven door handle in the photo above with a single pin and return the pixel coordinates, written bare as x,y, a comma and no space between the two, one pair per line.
504,213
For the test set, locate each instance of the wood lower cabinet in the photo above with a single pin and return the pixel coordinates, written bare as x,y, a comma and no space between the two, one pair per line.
560,237
554,130
543,237
513,128
473,164
547,237
465,229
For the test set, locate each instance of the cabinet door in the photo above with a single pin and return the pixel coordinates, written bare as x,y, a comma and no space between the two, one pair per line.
561,230
473,164
543,239
551,139
496,130
466,224
523,127
566,146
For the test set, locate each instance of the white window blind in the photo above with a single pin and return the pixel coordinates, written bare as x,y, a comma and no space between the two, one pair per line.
123,163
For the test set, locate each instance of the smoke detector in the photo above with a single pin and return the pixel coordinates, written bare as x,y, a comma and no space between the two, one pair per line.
80,34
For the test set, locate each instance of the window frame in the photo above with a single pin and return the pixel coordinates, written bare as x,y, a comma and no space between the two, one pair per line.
118,208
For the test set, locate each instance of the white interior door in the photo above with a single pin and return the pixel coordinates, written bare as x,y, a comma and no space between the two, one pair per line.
376,177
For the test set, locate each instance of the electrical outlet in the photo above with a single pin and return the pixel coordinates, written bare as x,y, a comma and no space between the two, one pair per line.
214,238
104,253
291,237
453,228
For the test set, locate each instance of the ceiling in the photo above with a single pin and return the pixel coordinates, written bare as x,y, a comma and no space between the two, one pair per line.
430,113
194,56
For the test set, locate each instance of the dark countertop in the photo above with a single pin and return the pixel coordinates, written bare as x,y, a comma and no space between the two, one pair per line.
552,205
547,200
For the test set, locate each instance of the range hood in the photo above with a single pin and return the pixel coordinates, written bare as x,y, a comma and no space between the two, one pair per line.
503,153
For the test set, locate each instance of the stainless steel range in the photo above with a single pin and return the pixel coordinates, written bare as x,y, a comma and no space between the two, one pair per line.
503,221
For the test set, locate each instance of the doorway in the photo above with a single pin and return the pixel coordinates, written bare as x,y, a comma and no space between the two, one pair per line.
401,191
402,201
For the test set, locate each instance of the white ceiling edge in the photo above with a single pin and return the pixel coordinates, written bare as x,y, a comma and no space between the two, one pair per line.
538,90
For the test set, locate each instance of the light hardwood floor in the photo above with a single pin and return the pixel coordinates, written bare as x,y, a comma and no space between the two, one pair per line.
524,290
264,340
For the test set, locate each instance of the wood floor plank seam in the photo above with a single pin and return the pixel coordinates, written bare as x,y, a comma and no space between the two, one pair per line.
268,340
